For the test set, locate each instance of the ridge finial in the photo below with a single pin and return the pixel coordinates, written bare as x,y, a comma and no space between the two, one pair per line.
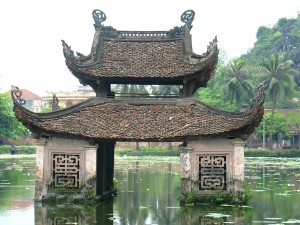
99,16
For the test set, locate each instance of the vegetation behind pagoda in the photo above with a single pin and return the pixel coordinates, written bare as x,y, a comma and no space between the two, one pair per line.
274,61
9,125
276,48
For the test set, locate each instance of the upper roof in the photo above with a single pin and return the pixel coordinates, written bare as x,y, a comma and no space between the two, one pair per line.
144,120
151,56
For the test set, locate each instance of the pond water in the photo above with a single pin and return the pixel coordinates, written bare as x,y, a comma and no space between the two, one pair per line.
148,192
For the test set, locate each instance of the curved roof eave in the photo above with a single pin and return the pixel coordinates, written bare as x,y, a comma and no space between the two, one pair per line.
103,119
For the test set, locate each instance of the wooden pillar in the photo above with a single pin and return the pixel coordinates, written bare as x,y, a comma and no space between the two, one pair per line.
100,170
185,88
105,167
110,166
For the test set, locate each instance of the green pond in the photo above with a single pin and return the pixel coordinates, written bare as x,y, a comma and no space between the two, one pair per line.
148,192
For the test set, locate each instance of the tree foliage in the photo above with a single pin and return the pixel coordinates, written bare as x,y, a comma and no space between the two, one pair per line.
278,79
164,90
293,121
9,125
214,98
235,86
278,76
230,88
283,38
130,90
274,60
280,127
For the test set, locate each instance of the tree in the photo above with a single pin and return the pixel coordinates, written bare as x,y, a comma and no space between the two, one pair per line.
130,90
280,127
278,77
237,89
213,97
212,94
166,90
293,120
9,125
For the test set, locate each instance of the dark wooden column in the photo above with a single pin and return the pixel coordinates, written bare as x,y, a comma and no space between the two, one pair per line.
110,166
100,161
105,167
102,88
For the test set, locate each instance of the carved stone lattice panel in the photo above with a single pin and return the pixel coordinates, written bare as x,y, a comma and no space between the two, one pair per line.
66,219
65,170
212,172
210,220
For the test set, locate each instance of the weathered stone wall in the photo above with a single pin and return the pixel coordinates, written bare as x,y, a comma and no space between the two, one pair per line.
212,165
64,165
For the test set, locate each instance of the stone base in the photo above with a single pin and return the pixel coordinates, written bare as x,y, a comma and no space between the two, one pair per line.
87,197
66,171
212,170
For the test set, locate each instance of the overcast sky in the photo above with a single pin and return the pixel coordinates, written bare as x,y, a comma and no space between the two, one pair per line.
31,55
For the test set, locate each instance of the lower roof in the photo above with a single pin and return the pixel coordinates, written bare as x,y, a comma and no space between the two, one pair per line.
144,120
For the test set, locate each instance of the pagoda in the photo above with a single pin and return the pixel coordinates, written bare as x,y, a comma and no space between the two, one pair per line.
75,145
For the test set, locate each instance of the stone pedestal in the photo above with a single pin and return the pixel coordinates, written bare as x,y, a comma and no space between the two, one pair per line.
64,167
186,169
213,166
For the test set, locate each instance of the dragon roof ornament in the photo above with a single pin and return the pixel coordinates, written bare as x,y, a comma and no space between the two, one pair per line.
187,17
99,17
17,94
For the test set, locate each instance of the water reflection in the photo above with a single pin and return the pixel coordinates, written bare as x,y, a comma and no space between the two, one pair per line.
225,214
275,184
61,214
16,190
106,213
148,192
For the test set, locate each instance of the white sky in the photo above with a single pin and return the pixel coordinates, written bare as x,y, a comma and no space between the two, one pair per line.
31,55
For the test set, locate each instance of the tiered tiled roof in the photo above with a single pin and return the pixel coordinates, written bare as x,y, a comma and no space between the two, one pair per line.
142,57
144,120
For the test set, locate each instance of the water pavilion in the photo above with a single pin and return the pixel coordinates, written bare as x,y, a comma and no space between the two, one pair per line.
75,145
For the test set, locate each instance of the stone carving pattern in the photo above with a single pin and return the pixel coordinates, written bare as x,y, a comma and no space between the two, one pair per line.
66,170
72,219
210,220
212,173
